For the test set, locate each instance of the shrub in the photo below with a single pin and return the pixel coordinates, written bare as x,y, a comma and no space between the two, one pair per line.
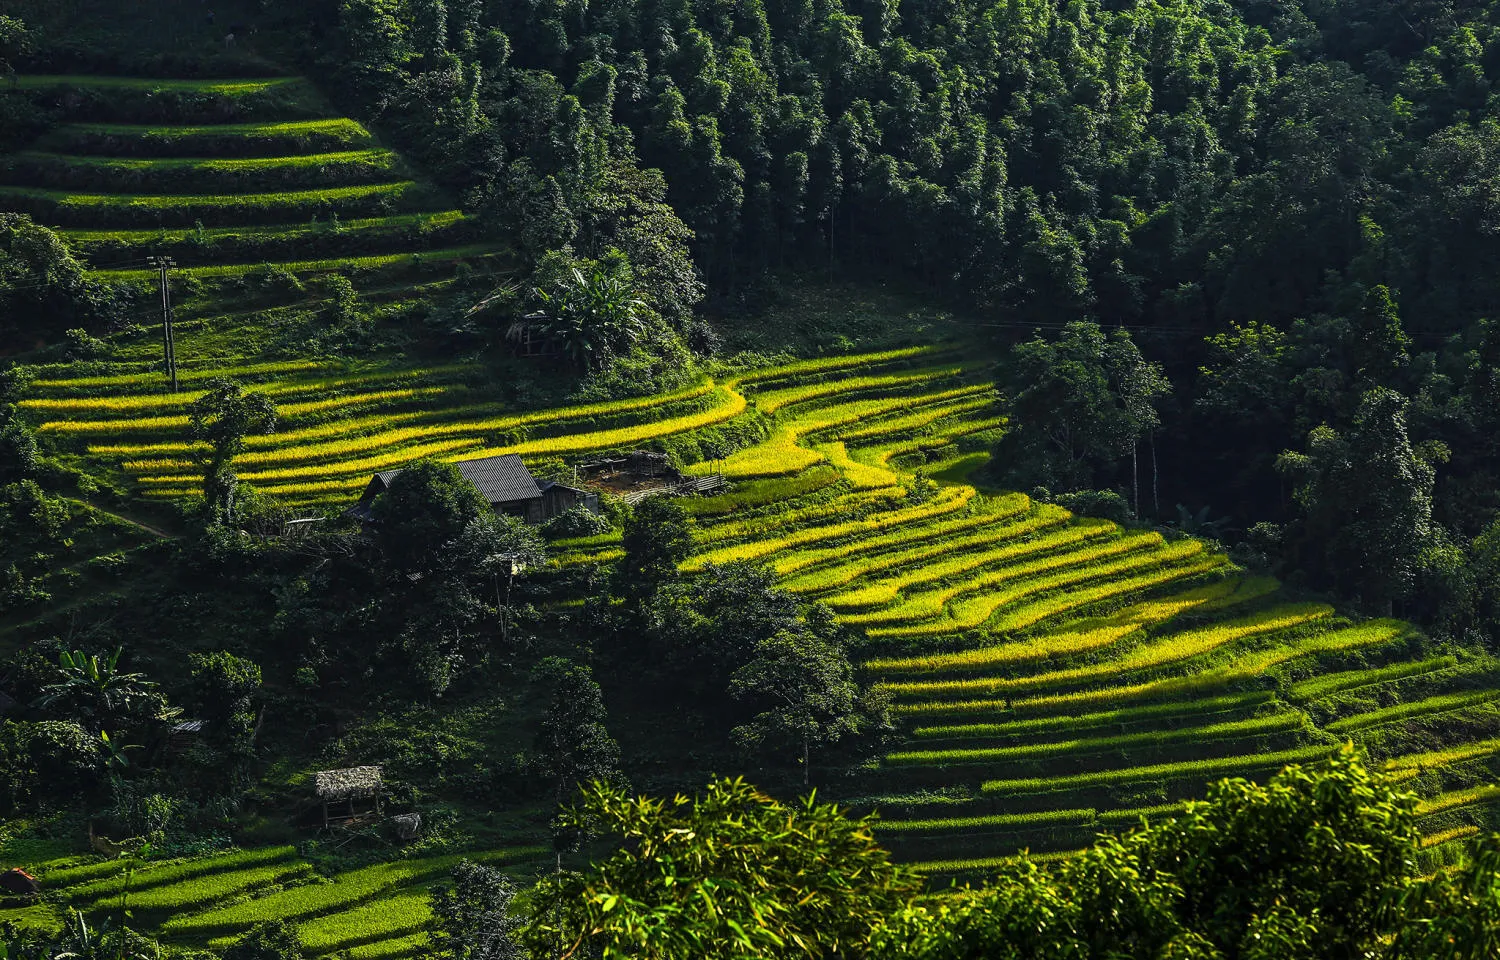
1104,504
577,522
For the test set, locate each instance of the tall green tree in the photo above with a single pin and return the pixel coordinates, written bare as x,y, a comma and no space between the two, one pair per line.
1366,499
1077,405
655,540
426,507
573,746
222,418
805,685
474,917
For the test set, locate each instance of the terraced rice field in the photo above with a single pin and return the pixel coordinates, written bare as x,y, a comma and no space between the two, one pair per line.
1056,676
228,177
1051,676
380,911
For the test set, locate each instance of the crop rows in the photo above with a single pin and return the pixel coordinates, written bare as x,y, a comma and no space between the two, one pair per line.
1014,638
1090,636
872,559
379,911
967,606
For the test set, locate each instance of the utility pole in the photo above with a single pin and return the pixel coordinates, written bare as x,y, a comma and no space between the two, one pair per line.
168,342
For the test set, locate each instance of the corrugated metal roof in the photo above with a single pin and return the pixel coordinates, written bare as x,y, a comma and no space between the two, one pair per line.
502,479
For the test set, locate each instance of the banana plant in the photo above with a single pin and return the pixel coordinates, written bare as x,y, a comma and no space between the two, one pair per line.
95,690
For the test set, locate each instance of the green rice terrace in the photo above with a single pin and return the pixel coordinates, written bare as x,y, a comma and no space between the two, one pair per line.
1052,676
370,913
237,180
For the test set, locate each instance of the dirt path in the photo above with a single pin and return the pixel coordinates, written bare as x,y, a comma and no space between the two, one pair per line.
139,524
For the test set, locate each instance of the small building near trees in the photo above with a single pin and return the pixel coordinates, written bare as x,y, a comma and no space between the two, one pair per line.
349,794
504,482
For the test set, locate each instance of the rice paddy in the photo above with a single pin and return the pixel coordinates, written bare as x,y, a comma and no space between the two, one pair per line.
1108,670
379,911
1065,674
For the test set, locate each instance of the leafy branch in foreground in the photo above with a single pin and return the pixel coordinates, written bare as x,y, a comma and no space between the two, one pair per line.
729,873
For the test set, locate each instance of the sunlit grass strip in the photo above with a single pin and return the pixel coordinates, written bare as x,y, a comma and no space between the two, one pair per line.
1443,703
219,203
128,166
289,411
185,374
128,404
357,230
339,129
1078,639
159,875
225,88
59,877
1448,836
1030,614
997,821
373,262
1247,667
1157,653
945,502
353,472
759,493
861,476
345,891
969,605
1456,799
201,891
920,419
367,465
868,561
782,453
398,948
1284,722
982,864
889,589
380,919
830,364
1444,757
730,404
838,508
920,537
293,453
1319,687
949,434
773,400
1204,769
1040,726
309,490
778,455
454,418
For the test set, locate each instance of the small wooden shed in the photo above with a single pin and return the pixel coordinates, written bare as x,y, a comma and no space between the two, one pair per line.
360,789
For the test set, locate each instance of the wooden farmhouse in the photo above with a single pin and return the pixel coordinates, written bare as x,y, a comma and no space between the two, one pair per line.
505,482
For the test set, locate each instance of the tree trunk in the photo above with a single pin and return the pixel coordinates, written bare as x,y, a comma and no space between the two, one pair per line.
1155,497
804,762
1135,476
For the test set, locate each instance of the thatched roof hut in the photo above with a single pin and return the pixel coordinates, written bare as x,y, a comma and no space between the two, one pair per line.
350,783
